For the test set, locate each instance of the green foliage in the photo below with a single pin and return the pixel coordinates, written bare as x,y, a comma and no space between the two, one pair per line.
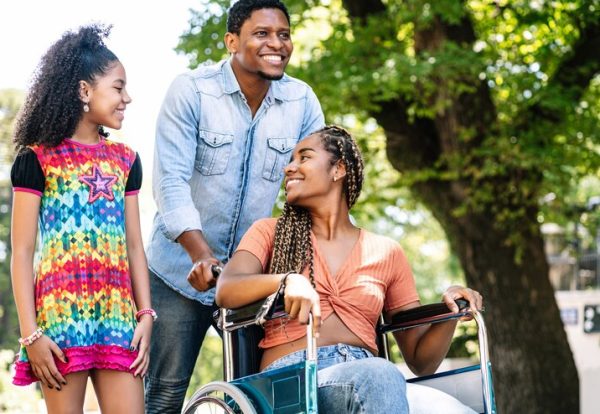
209,366
10,102
517,50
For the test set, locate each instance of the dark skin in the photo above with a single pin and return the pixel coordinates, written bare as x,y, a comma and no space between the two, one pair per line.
260,54
315,184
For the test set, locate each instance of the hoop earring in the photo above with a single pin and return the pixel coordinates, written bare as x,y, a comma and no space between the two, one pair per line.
86,107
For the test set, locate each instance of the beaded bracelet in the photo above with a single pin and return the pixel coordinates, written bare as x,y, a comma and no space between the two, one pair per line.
37,334
148,311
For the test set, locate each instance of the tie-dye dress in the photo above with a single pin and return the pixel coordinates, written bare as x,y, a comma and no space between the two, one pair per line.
83,294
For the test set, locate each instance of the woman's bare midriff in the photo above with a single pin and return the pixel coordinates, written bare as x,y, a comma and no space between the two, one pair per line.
333,331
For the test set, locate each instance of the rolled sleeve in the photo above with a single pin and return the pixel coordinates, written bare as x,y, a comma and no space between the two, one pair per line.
174,157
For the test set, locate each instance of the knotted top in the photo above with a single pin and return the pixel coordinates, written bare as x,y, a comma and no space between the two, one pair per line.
374,277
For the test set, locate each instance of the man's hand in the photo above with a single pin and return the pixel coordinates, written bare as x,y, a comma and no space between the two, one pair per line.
202,277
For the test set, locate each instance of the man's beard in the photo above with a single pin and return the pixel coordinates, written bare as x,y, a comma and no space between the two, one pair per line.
270,77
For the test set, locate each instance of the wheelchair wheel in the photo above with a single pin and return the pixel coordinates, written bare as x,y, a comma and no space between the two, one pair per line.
219,397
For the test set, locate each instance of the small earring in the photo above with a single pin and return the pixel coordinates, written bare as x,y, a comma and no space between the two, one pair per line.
334,179
86,107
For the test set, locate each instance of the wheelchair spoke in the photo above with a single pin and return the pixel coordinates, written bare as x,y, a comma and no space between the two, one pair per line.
219,398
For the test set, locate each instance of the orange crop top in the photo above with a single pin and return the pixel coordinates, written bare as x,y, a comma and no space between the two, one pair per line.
375,276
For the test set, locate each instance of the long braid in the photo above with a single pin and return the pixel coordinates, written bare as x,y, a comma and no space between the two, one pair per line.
340,144
292,247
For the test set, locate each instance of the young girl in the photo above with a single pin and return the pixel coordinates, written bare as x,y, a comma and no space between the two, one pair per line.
85,308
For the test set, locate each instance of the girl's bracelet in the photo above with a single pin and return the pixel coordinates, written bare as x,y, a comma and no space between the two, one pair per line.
37,334
147,311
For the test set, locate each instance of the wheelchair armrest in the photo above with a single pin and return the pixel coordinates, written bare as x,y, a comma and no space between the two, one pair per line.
256,313
432,313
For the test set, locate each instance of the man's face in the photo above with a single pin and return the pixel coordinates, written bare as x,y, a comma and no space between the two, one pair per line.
264,45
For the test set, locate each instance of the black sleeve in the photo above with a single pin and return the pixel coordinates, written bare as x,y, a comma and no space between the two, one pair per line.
134,181
27,173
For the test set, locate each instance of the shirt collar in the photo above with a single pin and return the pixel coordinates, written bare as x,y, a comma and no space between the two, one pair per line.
231,85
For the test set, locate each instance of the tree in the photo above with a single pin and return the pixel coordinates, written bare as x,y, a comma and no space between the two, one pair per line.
10,102
486,106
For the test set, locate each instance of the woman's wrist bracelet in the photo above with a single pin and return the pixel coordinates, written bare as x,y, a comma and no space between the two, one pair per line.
37,334
147,311
283,281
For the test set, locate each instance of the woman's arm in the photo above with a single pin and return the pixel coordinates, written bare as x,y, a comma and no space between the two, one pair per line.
26,208
424,347
243,281
138,269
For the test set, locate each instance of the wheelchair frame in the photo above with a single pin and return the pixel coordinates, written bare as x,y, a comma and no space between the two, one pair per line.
293,389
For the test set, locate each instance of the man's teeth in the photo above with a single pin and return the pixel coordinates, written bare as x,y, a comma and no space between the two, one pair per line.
273,58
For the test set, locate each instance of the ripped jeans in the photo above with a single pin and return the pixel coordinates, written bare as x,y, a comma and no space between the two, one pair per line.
352,380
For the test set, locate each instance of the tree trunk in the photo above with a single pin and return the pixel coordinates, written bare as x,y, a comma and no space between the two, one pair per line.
533,368
532,364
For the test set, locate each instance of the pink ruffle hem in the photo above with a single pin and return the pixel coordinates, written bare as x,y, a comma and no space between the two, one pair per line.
81,359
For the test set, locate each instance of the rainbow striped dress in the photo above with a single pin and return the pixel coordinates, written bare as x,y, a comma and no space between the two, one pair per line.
83,293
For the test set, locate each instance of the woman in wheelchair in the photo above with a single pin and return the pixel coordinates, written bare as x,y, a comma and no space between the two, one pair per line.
345,276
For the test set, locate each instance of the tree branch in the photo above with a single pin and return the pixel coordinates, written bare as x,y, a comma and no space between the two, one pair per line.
570,81
474,110
361,10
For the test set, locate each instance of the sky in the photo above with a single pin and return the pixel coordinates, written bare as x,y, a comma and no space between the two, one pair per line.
142,39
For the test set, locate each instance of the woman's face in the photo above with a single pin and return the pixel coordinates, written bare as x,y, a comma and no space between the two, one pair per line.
309,177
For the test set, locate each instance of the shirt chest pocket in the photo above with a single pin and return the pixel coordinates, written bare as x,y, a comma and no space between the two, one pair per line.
277,157
213,152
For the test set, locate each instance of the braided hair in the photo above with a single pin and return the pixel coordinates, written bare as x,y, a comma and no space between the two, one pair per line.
292,247
53,107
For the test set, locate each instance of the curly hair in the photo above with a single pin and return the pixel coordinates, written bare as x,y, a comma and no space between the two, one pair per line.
53,107
242,10
292,247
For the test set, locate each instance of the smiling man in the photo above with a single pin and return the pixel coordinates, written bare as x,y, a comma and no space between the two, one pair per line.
224,134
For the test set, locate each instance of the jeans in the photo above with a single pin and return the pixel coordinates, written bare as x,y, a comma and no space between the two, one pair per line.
362,384
177,336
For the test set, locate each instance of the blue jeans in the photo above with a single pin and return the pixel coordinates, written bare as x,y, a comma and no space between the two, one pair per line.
362,384
177,336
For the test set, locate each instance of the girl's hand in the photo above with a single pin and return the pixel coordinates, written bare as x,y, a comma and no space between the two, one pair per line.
301,299
40,354
459,292
141,342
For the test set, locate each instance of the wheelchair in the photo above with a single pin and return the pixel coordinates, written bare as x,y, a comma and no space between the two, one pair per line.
293,389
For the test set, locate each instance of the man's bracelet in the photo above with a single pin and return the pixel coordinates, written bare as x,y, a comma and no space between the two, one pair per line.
37,334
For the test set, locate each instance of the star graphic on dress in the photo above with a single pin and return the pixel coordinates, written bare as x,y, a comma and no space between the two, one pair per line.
100,185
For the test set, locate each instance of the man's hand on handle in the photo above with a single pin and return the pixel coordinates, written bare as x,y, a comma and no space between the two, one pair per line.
204,273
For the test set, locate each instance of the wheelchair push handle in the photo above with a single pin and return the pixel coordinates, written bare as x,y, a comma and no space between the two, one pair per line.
462,304
216,270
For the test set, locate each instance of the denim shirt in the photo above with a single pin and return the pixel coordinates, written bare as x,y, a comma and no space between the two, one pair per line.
216,168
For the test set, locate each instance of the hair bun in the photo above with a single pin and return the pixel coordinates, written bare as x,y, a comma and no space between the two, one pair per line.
92,37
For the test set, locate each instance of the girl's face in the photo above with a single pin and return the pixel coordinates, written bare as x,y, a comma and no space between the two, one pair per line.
309,176
108,98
